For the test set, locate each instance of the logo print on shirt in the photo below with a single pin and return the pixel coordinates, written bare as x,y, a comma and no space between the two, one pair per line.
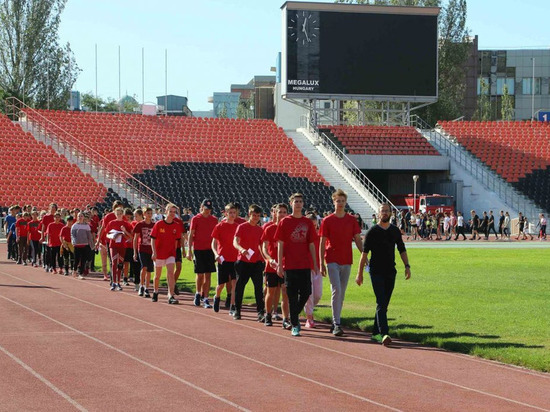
299,234
146,236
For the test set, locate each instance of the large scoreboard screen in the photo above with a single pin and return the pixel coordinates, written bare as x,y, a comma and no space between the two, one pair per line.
338,51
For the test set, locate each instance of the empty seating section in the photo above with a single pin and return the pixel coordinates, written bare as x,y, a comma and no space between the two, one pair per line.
137,143
511,149
382,140
34,174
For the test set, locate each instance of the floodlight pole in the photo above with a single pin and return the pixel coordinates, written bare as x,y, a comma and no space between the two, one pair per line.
415,178
533,92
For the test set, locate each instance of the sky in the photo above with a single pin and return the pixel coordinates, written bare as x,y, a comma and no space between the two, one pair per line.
211,44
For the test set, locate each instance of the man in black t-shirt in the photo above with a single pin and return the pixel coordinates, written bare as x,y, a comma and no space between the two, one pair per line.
381,241
474,225
501,224
484,226
491,225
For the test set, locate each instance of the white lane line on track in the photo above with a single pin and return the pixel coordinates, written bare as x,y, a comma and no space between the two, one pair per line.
70,333
284,337
248,358
43,380
150,365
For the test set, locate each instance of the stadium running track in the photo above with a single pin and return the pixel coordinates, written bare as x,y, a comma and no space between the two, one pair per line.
67,344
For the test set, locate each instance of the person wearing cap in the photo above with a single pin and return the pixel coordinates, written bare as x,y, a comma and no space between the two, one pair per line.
200,251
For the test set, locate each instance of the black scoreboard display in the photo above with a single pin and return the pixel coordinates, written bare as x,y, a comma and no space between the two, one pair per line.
333,51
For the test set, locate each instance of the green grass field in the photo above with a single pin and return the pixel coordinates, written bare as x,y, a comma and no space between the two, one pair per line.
491,303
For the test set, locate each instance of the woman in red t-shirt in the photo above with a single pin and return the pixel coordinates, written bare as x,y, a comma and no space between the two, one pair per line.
118,231
53,232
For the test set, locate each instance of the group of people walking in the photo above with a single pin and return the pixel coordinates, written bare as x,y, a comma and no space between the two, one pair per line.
286,258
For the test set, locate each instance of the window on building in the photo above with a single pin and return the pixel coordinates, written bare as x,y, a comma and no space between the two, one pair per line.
501,81
487,86
526,84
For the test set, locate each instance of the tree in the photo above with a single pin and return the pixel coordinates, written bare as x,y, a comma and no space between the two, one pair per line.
507,104
33,65
244,108
483,110
90,103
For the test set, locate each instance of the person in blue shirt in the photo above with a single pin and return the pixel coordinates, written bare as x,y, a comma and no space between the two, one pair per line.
8,222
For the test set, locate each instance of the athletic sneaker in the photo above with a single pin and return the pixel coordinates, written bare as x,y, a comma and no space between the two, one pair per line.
295,331
268,320
125,282
386,340
141,291
261,316
118,287
376,338
176,290
155,297
232,310
146,293
66,272
286,324
310,324
80,277
207,304
337,331
113,286
173,301
216,304
236,315
228,301
197,300
276,316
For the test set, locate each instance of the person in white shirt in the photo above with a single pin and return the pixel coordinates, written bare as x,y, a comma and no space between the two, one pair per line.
542,224
447,226
460,226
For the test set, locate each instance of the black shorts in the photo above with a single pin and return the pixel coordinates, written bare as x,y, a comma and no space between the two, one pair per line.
146,261
226,272
204,261
129,255
273,280
178,254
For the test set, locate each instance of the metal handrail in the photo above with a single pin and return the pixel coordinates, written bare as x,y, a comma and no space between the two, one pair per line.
359,177
481,172
67,143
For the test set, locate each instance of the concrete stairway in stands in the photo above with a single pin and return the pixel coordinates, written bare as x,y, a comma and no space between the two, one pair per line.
331,174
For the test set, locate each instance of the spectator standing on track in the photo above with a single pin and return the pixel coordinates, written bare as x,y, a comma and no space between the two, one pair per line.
200,251
474,225
296,257
484,226
165,236
46,220
117,244
67,247
521,224
381,241
22,233
225,255
53,232
506,225
249,264
542,224
460,226
338,232
491,225
501,224
34,239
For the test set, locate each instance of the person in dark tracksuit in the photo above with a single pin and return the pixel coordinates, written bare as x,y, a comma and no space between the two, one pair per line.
381,241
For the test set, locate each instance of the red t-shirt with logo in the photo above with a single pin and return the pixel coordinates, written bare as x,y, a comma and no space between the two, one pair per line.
269,236
203,227
166,236
108,218
129,243
66,234
144,229
46,220
224,233
249,238
53,231
22,227
34,230
118,225
339,232
296,233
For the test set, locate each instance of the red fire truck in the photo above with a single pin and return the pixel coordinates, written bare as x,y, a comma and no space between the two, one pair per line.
431,203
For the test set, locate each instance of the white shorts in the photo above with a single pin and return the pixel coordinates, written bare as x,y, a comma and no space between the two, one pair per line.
164,262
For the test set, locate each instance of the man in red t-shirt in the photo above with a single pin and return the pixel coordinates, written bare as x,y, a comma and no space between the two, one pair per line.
165,236
226,256
274,283
67,250
200,250
53,232
46,220
143,251
34,239
338,230
296,251
250,262
22,233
